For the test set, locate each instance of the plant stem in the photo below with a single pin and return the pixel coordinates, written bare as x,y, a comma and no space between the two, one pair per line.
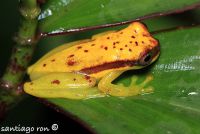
21,54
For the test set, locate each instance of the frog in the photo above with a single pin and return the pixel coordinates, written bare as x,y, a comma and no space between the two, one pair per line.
87,68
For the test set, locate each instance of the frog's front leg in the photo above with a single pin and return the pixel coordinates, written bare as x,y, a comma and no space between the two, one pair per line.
63,85
106,86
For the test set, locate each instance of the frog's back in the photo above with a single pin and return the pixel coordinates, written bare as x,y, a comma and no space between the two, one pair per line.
115,50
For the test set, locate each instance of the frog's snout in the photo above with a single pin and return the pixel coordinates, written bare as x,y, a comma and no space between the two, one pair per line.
156,53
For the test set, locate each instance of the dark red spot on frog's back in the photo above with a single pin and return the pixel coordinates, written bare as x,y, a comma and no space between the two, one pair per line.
70,62
44,65
79,47
72,55
53,60
133,36
55,82
136,43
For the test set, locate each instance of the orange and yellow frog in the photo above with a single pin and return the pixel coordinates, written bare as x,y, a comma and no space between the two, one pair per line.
87,68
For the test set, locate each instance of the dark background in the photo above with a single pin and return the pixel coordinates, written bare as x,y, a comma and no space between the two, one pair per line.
29,112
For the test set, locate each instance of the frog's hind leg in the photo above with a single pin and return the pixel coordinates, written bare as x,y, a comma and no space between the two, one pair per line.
63,85
106,86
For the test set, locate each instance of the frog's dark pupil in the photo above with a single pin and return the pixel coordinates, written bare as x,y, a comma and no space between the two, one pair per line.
147,58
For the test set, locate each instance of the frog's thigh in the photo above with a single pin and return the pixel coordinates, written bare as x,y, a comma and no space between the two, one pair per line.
63,85
107,87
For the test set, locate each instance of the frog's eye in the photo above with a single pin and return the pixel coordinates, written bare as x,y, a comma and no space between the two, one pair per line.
149,56
146,59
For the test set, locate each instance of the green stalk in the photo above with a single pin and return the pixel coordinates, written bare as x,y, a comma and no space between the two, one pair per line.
21,54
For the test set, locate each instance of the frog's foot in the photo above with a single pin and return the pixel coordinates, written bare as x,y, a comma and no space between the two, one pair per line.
142,86
107,87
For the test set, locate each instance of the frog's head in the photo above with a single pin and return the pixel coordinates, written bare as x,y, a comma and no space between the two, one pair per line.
149,53
146,48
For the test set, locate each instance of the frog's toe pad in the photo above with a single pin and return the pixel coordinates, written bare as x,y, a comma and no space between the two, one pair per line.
142,86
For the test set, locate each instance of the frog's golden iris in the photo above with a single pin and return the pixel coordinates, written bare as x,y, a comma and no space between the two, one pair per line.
86,68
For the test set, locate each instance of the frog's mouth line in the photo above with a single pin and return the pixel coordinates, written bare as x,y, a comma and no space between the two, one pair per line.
121,63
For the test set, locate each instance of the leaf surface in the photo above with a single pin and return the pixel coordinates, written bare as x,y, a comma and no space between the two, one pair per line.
63,15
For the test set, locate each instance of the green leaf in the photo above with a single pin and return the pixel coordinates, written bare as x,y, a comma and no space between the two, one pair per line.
59,15
174,107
